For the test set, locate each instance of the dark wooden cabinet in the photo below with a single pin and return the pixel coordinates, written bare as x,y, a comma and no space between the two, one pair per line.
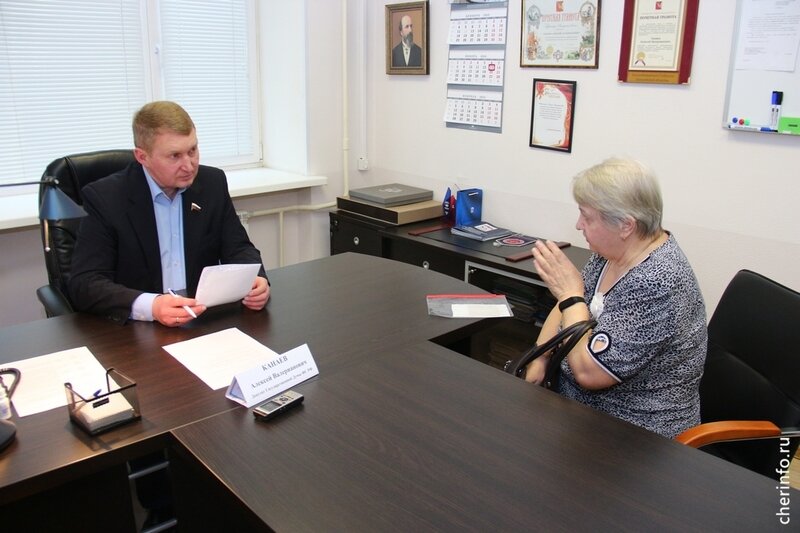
353,233
529,298
427,257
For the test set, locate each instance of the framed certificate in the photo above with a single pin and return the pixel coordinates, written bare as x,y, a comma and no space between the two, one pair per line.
552,114
560,33
657,41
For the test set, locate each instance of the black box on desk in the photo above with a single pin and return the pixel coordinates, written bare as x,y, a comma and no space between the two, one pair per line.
399,214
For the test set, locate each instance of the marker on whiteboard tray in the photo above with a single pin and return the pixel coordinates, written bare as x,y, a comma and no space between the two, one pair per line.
775,109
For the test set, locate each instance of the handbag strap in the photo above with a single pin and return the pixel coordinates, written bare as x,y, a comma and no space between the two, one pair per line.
553,369
515,367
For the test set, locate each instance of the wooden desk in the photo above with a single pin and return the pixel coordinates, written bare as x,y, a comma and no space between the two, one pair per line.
332,304
417,438
354,233
397,433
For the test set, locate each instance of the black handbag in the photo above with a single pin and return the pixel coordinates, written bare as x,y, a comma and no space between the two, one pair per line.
559,345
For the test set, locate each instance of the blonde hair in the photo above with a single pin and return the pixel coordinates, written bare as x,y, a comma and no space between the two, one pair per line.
156,116
620,188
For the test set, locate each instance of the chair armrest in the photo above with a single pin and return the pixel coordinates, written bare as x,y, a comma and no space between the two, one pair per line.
710,432
54,301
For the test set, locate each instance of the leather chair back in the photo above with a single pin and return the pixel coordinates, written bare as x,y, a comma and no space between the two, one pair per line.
752,370
73,172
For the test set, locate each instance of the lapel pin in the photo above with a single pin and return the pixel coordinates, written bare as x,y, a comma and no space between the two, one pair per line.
196,207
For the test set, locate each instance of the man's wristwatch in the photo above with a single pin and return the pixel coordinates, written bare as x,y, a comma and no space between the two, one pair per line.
568,302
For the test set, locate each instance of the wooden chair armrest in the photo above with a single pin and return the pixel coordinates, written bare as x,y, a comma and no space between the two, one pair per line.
711,432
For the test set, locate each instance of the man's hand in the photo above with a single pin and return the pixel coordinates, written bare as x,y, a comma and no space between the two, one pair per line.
257,298
169,310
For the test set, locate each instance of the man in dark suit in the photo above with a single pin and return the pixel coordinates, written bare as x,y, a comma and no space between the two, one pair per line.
155,225
407,53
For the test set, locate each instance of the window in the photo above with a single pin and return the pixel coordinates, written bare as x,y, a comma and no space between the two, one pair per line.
73,73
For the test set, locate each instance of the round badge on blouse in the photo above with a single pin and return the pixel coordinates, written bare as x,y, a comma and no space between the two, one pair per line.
599,343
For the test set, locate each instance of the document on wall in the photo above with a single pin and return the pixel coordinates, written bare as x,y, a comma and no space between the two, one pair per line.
217,357
222,284
42,378
768,36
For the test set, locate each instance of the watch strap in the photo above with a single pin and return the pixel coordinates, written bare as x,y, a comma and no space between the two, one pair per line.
568,302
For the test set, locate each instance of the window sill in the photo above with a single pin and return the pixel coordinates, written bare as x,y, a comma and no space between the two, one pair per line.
22,211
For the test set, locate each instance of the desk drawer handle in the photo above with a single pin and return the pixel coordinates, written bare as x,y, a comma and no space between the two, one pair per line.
426,265
355,241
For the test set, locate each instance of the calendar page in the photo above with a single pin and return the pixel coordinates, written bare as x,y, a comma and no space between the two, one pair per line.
474,107
478,26
476,67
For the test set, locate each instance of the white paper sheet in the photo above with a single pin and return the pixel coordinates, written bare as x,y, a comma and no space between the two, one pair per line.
215,358
768,35
41,384
222,284
480,311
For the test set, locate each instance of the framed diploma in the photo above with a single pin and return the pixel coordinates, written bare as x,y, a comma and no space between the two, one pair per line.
553,114
657,41
560,33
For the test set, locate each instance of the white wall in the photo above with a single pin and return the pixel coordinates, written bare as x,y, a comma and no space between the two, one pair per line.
730,197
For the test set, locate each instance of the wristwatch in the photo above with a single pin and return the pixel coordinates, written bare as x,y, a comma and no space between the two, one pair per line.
568,302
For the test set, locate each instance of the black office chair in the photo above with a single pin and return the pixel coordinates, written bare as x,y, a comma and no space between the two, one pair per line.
72,173
751,384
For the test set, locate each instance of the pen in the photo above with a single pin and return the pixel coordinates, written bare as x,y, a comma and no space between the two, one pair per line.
188,309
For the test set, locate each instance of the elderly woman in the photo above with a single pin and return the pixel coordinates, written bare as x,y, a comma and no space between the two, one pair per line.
643,361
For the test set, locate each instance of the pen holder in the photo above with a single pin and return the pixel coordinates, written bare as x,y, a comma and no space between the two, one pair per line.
101,412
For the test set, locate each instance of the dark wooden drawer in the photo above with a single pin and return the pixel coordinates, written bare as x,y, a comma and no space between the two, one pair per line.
424,256
351,234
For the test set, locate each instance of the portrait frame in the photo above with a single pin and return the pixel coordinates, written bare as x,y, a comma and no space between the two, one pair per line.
560,33
418,54
673,66
552,114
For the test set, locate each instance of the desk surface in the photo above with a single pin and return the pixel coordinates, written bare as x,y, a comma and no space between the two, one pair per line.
396,433
417,438
332,304
579,256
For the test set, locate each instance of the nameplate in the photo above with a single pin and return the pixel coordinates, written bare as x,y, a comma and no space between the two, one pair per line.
272,377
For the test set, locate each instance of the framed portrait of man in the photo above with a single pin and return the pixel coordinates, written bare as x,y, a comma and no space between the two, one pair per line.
407,38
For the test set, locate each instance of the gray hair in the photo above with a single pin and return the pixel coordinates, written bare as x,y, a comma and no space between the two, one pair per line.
620,188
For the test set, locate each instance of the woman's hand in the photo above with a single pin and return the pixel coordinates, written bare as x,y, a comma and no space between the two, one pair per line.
536,369
556,270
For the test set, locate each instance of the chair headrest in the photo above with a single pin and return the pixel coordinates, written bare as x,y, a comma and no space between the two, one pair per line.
75,171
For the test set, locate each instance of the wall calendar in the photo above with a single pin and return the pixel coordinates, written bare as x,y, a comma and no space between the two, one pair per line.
476,66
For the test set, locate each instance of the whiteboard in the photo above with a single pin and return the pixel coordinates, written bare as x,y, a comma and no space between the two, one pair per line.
764,59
